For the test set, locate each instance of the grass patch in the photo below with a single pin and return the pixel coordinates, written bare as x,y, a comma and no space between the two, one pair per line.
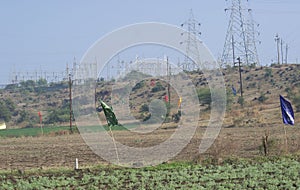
36,131
31,132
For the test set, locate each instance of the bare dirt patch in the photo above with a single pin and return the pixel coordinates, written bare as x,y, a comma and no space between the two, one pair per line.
61,151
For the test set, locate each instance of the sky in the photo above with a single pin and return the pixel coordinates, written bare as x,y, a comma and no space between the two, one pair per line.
47,35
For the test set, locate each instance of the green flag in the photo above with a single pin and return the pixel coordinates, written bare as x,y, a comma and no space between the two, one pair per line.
109,114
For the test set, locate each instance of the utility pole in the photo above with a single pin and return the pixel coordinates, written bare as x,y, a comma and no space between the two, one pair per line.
277,39
281,45
70,100
233,55
286,53
169,93
240,71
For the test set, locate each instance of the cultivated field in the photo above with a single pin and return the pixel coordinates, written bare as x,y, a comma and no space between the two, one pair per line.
60,151
235,161
274,174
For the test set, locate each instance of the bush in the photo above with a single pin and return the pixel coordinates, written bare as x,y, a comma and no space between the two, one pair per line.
262,98
58,116
11,87
138,86
27,86
4,112
144,108
296,101
241,101
176,117
158,87
268,72
7,108
24,116
204,96
42,82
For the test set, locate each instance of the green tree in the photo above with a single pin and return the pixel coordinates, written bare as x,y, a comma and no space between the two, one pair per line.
42,82
5,114
7,108
24,116
57,116
27,85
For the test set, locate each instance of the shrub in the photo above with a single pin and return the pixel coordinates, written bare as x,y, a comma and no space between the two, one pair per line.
11,87
296,101
158,87
144,108
241,101
138,86
24,116
262,98
42,82
58,116
268,72
7,108
5,114
204,96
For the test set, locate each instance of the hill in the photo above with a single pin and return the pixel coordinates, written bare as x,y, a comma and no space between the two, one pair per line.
21,103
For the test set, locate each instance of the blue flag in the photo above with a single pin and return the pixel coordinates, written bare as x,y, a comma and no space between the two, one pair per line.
287,111
233,90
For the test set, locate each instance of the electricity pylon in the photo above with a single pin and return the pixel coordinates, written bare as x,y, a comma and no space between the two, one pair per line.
193,33
241,36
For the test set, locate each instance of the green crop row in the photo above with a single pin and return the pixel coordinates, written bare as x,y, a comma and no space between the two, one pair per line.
281,174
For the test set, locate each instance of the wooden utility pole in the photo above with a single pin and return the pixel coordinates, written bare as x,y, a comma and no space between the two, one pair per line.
169,93
240,71
70,100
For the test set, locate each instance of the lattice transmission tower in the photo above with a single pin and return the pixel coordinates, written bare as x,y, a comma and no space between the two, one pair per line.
241,36
192,35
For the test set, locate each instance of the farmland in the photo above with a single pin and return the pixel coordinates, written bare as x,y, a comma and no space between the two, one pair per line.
236,160
273,174
55,150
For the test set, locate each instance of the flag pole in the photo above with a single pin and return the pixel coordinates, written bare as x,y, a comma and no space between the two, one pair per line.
111,121
287,116
41,122
112,135
41,127
286,141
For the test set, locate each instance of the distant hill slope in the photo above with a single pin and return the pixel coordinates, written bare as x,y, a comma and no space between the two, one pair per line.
261,88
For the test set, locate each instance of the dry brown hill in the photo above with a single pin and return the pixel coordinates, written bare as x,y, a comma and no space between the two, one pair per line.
261,87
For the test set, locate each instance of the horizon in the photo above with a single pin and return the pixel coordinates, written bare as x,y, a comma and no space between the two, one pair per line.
46,36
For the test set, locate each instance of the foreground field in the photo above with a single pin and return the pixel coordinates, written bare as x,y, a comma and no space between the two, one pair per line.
238,174
61,150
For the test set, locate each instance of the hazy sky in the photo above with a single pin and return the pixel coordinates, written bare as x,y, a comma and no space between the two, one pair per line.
46,35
